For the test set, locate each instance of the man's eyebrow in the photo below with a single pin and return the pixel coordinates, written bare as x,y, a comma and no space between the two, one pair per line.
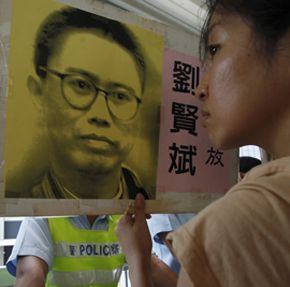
82,72
95,79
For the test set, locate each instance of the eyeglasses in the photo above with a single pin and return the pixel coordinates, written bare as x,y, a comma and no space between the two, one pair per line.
81,93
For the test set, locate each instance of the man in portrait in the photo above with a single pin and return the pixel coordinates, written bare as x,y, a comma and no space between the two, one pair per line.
88,90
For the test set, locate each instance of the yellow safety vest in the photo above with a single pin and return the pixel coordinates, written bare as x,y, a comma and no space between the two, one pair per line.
87,258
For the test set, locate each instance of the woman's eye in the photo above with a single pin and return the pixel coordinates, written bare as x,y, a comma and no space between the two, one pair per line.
212,49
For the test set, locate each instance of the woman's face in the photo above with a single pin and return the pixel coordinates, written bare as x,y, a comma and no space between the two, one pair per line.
246,99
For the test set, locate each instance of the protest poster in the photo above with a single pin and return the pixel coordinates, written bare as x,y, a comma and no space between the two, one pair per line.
100,105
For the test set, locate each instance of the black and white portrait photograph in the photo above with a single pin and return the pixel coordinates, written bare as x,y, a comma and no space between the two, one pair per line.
83,108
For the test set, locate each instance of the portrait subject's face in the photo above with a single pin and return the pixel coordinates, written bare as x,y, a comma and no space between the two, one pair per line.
90,138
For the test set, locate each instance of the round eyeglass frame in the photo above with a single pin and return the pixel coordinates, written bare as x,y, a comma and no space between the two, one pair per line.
106,94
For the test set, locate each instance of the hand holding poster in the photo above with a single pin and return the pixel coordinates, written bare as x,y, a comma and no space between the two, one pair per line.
95,129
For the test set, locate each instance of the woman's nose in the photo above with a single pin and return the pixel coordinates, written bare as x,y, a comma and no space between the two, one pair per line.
202,92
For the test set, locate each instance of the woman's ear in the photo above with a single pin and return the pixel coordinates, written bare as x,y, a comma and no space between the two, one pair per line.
241,176
35,89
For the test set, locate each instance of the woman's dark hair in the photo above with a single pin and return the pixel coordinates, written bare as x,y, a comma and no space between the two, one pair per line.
268,19
57,25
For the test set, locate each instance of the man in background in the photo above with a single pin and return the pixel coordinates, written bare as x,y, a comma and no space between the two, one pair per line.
67,251
247,163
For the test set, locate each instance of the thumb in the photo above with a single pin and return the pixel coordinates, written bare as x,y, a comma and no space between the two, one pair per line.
139,207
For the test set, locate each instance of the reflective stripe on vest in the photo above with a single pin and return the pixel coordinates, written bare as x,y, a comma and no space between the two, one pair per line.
84,278
85,257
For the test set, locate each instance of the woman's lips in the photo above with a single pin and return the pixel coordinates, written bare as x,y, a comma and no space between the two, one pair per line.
205,116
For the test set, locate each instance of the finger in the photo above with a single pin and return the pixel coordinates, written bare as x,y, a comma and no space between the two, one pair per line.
139,207
124,220
133,217
148,216
123,224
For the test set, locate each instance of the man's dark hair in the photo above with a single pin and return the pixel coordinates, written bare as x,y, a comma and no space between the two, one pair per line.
247,163
57,25
268,19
